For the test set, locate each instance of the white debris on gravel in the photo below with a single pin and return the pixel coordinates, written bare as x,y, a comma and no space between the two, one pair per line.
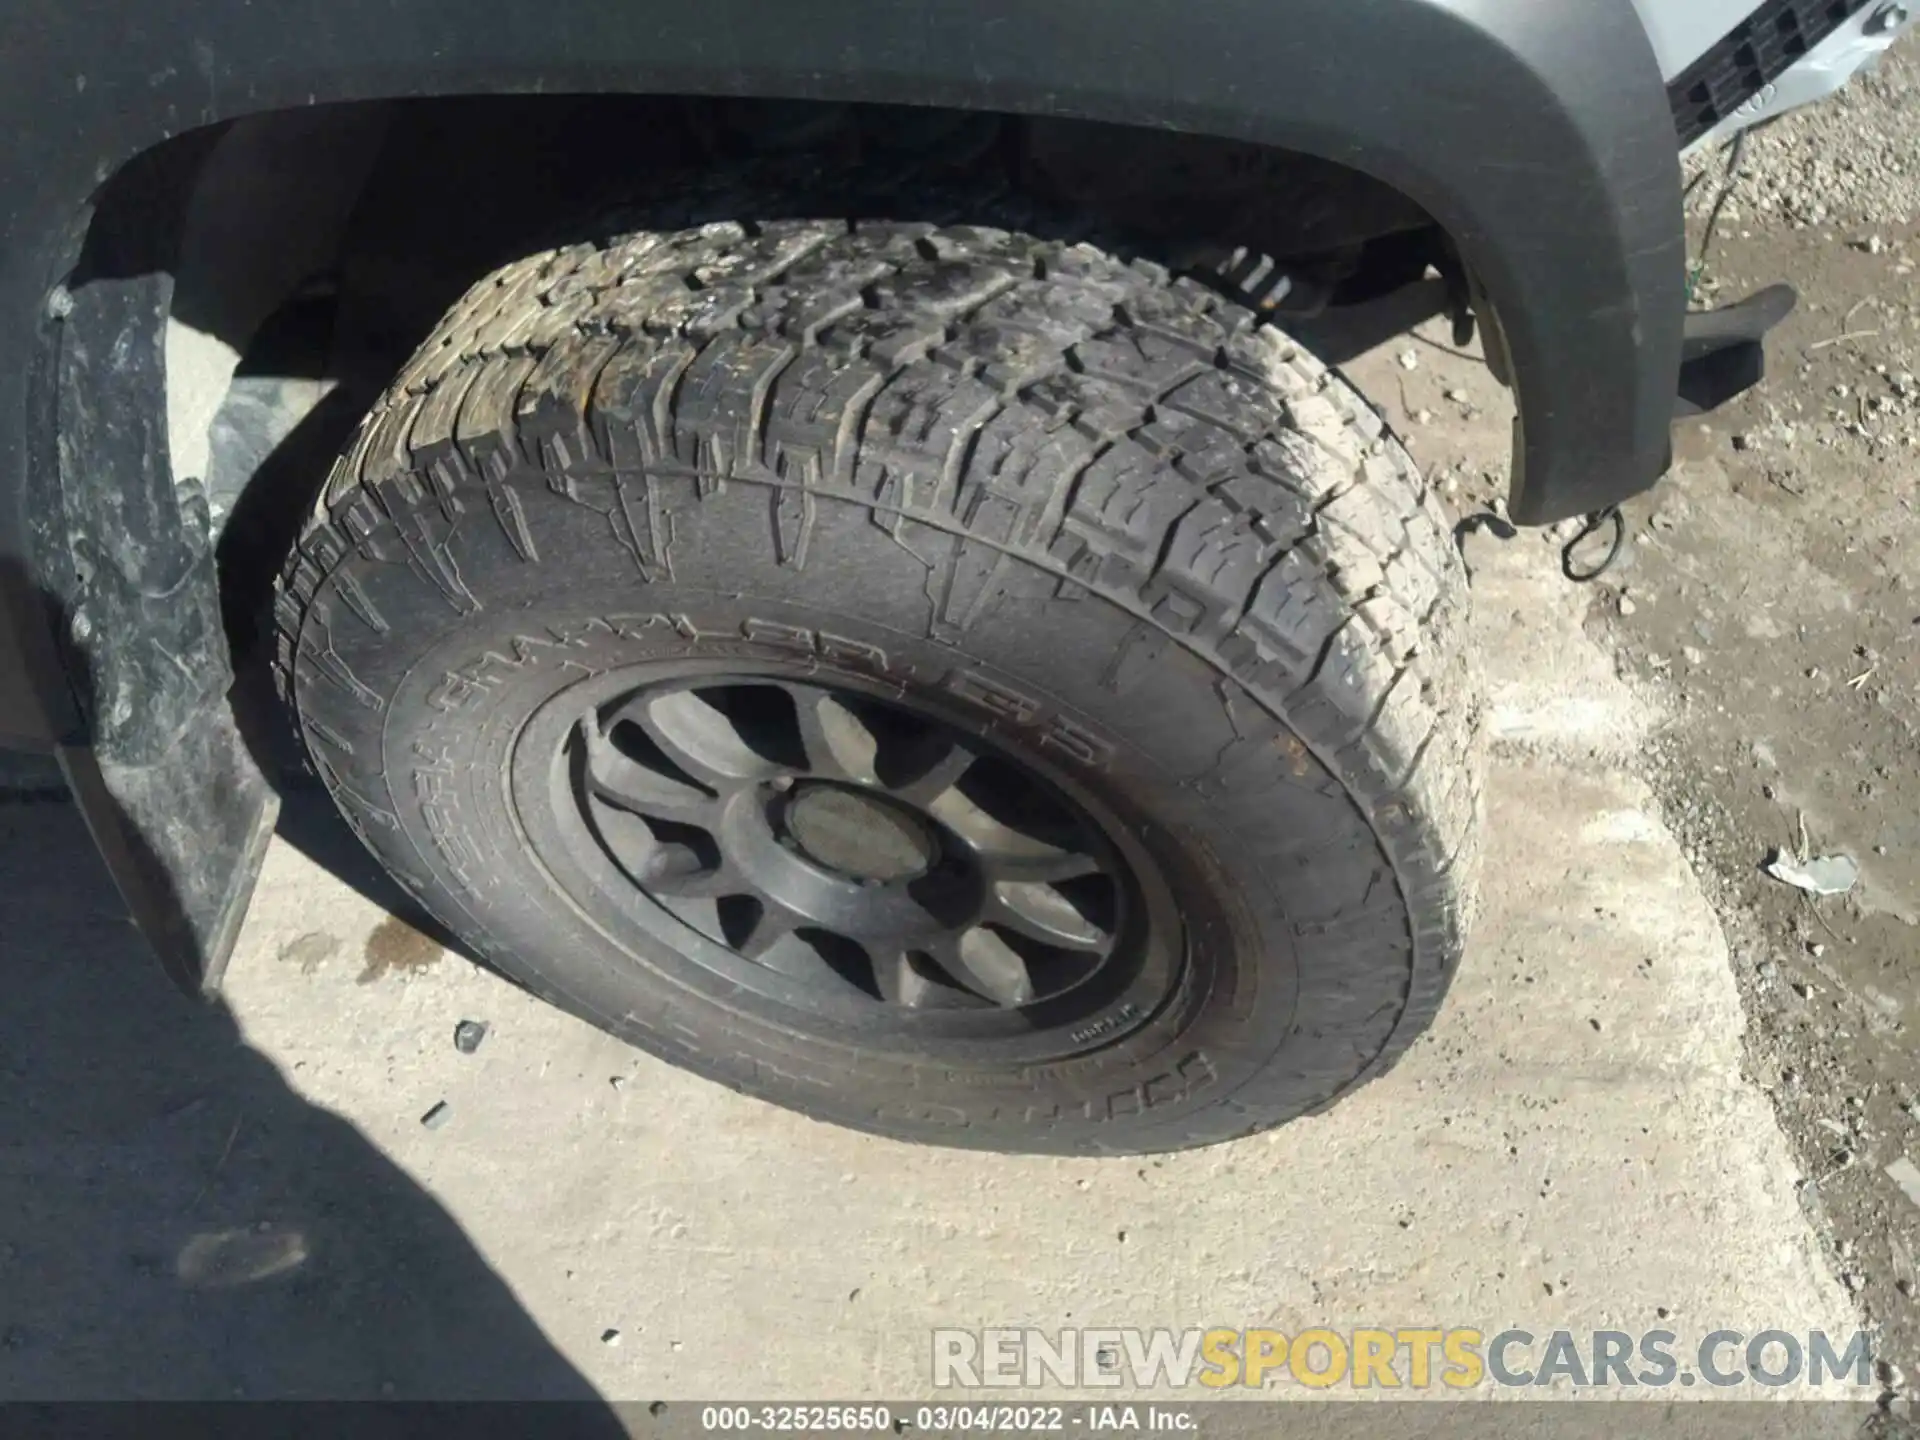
1825,875
1904,1173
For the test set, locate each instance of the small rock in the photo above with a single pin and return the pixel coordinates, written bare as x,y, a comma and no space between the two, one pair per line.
1840,392
468,1034
618,1082
1741,442
1458,397
1904,1173
1627,607
1409,360
1691,655
609,1337
1816,949
1874,245
437,1116
1423,417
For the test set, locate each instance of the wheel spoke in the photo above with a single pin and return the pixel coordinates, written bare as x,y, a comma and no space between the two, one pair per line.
932,772
680,871
987,965
898,982
697,738
618,779
896,979
836,740
1040,866
1004,852
905,979
1044,914
773,924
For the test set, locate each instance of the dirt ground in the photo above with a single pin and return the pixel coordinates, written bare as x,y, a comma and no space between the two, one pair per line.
1774,609
1767,612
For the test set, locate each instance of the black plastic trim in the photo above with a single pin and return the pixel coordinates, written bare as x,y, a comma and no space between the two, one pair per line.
1755,53
1724,353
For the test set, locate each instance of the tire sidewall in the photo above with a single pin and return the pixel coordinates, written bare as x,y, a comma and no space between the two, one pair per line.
1041,666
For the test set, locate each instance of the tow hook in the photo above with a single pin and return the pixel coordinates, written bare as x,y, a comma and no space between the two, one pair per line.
1722,354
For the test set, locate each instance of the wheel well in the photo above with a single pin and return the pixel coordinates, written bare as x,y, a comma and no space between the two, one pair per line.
312,250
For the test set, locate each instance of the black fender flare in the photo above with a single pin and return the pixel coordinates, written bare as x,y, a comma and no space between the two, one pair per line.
1536,132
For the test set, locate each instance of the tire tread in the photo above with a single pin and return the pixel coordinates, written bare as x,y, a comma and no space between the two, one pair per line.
1135,434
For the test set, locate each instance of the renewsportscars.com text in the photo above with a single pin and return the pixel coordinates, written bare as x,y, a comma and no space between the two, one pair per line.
1406,1357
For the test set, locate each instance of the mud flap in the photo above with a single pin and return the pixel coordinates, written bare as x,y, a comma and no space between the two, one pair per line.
179,809
183,838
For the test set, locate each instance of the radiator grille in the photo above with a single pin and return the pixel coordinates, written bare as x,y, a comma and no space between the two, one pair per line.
1761,49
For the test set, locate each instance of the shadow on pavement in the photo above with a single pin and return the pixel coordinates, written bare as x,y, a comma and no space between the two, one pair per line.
176,1223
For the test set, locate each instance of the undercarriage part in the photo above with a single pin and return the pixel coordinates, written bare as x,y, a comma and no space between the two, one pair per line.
1180,188
1723,354
1583,571
1342,333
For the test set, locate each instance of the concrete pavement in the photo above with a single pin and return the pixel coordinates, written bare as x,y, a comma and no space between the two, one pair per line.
1573,1146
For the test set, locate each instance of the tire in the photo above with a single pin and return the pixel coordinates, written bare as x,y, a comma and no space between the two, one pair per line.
1169,575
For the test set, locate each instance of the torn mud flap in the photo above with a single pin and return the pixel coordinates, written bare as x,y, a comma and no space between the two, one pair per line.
1723,352
183,837
170,791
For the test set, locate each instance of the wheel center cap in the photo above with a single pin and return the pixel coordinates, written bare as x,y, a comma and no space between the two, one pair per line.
859,835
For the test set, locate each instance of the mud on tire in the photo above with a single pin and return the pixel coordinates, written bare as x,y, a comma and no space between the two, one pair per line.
1099,517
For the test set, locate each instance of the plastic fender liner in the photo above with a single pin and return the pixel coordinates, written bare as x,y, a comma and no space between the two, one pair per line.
170,792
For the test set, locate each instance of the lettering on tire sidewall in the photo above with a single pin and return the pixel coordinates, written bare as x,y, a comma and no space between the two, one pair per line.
470,682
460,692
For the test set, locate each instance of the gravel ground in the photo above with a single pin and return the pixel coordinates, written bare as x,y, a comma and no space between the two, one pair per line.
1772,613
1849,161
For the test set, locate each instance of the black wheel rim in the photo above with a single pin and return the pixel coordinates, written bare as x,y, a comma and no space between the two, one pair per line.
853,851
